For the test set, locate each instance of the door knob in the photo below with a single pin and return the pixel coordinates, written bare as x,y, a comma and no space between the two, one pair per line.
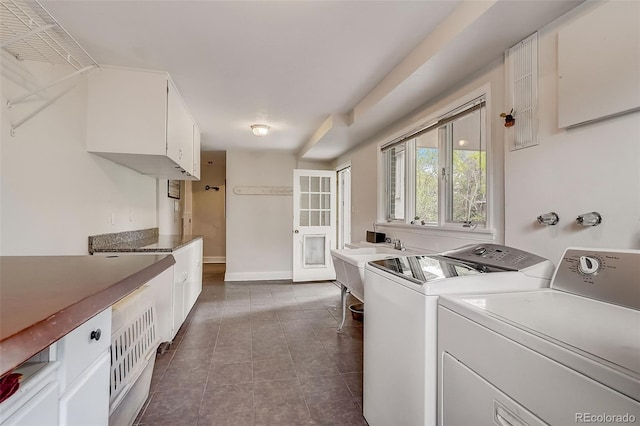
296,231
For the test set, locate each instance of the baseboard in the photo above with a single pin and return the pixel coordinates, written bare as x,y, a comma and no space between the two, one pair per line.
258,276
214,259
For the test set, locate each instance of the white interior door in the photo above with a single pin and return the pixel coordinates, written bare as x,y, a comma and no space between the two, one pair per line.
314,224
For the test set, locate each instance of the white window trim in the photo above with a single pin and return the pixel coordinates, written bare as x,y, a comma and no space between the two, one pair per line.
447,228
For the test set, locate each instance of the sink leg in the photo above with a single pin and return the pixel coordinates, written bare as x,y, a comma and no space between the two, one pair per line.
343,300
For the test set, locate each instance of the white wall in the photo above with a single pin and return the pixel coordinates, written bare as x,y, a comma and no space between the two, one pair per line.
259,227
364,169
169,210
209,206
54,193
366,172
592,167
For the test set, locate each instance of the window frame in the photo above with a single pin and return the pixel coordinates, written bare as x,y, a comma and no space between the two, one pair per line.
444,200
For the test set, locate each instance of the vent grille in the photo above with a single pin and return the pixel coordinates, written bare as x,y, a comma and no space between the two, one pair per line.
132,343
522,92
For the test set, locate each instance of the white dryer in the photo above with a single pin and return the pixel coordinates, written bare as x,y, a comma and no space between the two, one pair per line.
400,353
565,355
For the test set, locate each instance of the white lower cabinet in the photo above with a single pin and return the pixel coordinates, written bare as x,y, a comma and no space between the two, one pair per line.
187,281
84,373
68,383
86,402
176,290
178,307
36,402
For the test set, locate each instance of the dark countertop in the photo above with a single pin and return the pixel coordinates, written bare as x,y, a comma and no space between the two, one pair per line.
154,244
43,298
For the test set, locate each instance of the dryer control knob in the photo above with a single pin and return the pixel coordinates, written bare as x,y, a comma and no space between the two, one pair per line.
480,250
588,265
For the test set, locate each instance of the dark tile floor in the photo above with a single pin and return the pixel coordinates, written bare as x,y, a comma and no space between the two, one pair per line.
260,353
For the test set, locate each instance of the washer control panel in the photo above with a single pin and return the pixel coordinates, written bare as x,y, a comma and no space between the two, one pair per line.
496,255
608,275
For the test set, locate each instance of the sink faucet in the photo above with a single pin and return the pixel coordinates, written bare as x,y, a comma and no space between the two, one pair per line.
398,245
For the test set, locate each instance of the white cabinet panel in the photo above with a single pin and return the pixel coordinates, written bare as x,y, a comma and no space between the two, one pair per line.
40,410
86,403
161,287
179,131
126,112
599,64
194,283
78,349
196,152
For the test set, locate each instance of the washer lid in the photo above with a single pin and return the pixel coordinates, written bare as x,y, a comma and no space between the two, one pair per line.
604,332
424,269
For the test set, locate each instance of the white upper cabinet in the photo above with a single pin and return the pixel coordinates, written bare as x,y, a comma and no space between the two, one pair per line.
196,152
138,119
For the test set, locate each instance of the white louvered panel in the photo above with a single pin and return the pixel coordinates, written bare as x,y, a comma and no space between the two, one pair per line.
522,92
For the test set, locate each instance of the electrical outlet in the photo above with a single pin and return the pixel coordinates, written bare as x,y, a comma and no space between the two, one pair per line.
113,218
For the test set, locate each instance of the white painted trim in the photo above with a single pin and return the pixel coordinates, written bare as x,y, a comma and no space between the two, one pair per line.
343,166
483,234
214,259
258,276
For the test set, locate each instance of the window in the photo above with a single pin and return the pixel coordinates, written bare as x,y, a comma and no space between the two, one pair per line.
395,167
446,178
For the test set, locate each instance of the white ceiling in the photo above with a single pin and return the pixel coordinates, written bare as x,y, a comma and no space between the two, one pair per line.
325,75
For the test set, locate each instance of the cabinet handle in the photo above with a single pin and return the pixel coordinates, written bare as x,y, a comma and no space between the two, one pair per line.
95,334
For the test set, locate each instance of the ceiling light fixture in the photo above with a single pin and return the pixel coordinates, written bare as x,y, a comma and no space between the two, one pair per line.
259,129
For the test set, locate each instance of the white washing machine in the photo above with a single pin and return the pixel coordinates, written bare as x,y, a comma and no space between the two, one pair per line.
565,355
400,353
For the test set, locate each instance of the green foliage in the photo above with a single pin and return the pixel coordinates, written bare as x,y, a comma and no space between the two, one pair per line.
427,184
469,186
468,180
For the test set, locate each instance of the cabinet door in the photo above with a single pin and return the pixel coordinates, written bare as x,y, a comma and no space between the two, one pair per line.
193,286
42,409
196,152
179,131
178,307
86,403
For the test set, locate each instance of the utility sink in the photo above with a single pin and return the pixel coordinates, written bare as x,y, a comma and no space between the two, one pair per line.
350,263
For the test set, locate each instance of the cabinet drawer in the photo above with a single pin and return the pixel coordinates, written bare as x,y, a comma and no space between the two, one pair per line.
80,348
42,409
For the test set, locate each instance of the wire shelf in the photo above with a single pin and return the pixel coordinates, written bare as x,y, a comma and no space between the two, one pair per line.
29,32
